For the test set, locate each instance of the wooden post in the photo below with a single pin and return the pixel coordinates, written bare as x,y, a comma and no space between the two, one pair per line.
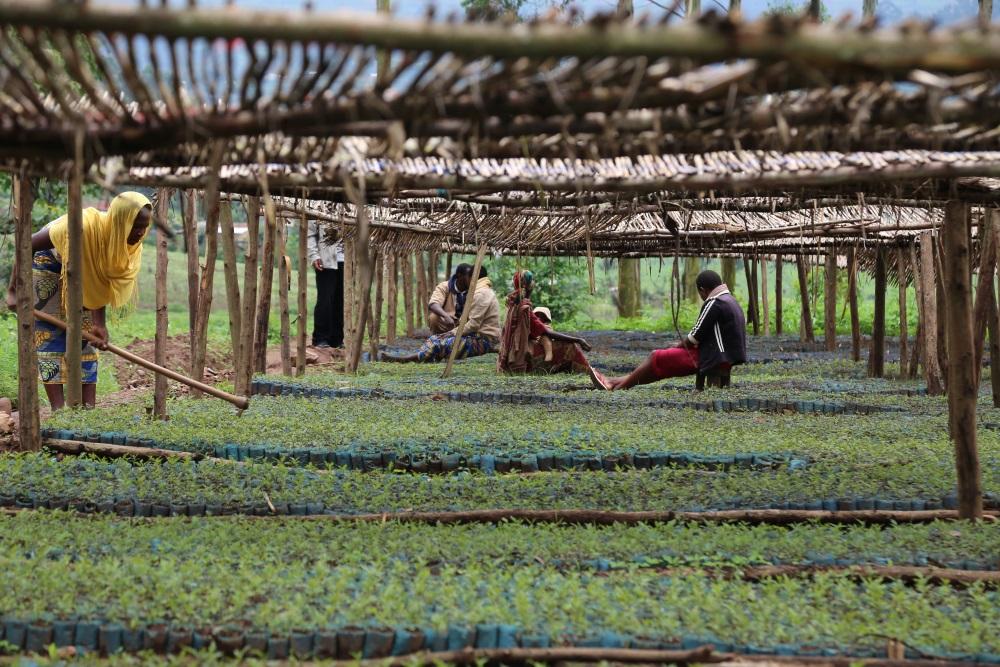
447,268
303,319
806,316
284,285
74,282
349,296
942,323
27,361
993,327
918,338
460,328
432,273
420,302
264,286
407,262
735,8
199,334
190,224
830,301
985,298
876,357
904,332
985,11
868,8
779,269
962,388
391,283
231,274
365,274
929,317
375,331
729,271
160,344
748,272
852,299
244,369
763,296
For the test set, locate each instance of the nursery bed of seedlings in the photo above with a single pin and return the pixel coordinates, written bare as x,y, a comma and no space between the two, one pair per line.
330,588
405,588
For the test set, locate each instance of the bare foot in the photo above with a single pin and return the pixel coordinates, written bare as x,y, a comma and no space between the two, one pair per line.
600,382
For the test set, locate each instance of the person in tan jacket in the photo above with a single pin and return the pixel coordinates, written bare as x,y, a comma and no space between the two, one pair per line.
448,300
480,336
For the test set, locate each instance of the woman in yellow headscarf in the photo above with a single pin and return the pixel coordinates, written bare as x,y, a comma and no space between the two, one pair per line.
112,255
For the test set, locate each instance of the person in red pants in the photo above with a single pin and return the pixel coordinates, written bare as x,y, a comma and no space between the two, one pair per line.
717,341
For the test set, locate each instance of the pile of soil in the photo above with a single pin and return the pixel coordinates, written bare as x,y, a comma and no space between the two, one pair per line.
218,364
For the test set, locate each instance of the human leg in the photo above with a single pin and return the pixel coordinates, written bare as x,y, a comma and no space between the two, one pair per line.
323,312
659,365
56,396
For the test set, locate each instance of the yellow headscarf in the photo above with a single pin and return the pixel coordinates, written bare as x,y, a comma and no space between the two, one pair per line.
110,264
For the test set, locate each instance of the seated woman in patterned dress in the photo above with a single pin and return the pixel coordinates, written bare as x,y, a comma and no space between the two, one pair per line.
522,348
112,256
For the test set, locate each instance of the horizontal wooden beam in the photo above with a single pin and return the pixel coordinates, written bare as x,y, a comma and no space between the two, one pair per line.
820,45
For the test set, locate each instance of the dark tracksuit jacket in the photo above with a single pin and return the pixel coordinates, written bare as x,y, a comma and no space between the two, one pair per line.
720,332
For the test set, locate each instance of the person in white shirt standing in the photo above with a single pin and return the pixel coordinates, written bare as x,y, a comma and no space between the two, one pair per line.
326,254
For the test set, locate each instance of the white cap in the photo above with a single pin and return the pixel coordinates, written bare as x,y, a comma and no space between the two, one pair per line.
542,310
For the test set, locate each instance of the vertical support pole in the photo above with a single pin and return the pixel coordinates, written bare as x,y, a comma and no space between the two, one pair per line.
27,362
190,224
303,319
985,11
460,328
284,286
74,281
933,377
432,273
349,282
942,323
868,8
763,296
918,338
735,8
407,261
264,287
375,331
876,357
365,274
748,272
852,300
985,298
392,296
420,302
779,269
962,389
244,370
830,301
447,267
904,325
231,274
160,343
729,271
199,335
806,315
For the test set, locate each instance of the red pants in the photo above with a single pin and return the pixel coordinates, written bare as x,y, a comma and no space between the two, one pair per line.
675,362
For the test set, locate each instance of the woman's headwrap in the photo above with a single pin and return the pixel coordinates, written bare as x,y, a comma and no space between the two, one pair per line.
110,265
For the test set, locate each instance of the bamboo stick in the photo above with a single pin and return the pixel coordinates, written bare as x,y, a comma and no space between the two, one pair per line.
779,270
460,328
244,371
160,343
830,302
929,316
408,305
231,269
392,282
284,285
300,347
239,401
27,362
103,449
806,322
73,385
265,286
962,388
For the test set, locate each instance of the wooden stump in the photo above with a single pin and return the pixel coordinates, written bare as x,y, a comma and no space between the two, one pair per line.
962,388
